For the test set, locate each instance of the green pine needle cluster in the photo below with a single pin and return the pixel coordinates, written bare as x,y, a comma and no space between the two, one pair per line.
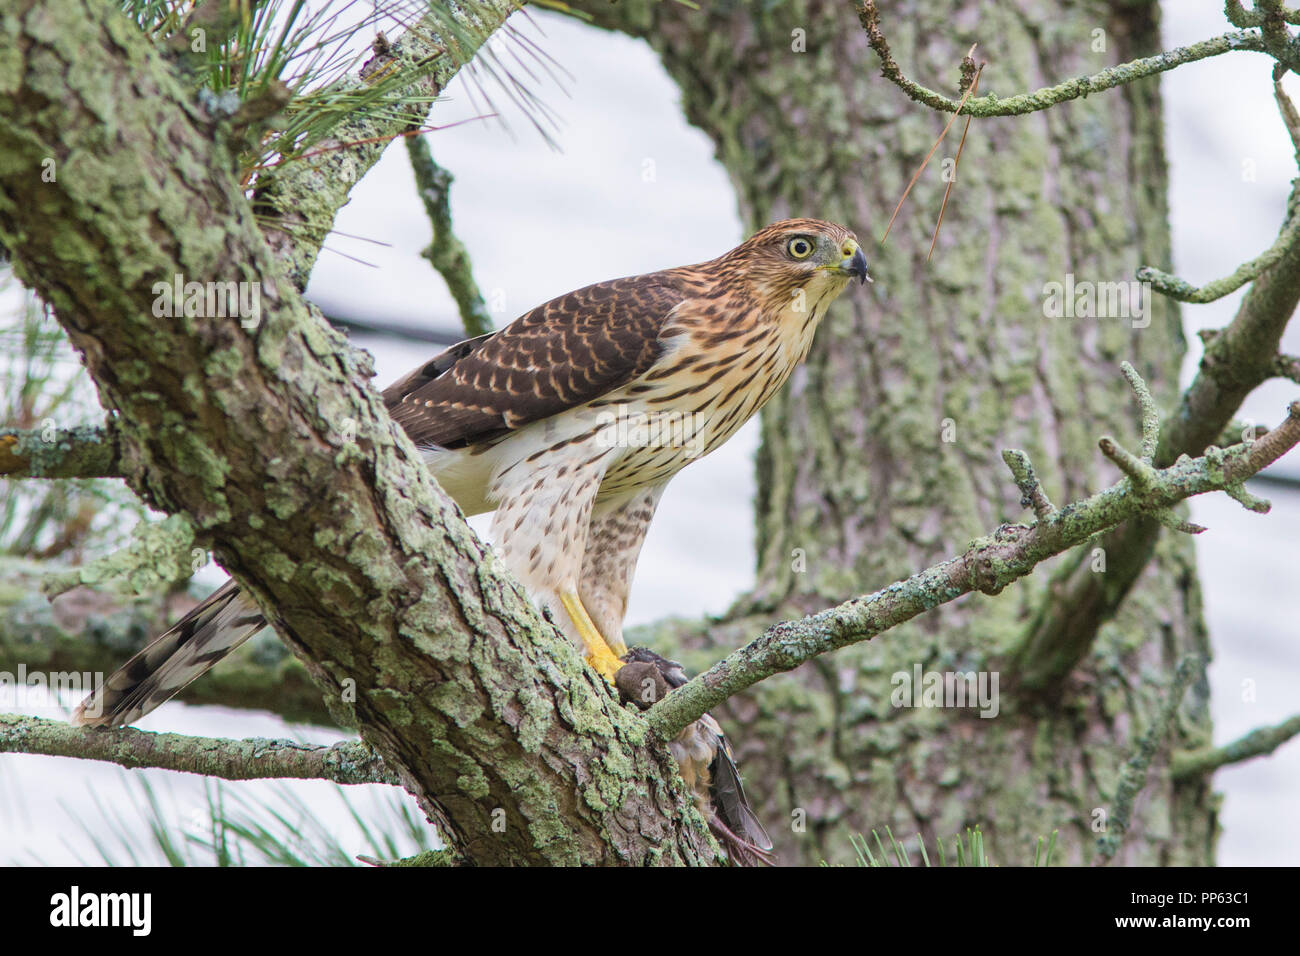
968,850
285,72
278,827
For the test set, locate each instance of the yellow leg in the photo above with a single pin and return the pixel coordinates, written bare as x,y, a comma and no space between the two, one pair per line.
599,656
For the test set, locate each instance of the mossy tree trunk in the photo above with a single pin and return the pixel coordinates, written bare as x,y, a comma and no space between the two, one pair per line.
882,456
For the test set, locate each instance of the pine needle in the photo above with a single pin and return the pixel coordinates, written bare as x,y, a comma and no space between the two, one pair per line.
955,163
928,156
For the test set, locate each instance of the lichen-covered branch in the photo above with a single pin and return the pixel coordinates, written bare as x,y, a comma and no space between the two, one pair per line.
1138,467
1237,360
988,565
1148,414
346,762
87,451
159,553
1287,366
1032,494
1278,41
1134,775
1184,291
446,252
1190,764
427,858
993,105
1239,16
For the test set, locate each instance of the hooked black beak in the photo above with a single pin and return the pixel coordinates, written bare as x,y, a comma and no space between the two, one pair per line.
857,266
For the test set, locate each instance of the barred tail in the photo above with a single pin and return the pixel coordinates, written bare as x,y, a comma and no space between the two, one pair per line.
173,659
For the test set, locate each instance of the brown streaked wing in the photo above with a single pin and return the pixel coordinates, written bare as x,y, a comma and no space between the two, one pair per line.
564,353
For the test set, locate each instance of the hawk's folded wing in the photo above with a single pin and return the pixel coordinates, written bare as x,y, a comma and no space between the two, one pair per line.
562,354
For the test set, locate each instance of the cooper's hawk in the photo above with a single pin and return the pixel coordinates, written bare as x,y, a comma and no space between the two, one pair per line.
568,423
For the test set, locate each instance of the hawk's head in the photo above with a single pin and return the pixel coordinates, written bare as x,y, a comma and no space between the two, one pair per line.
800,254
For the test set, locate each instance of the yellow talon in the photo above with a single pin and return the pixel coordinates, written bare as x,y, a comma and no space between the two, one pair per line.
604,661
606,665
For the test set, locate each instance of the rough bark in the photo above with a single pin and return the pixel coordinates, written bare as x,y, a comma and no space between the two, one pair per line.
857,486
272,442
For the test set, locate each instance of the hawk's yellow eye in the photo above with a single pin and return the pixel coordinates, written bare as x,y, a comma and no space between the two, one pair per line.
799,247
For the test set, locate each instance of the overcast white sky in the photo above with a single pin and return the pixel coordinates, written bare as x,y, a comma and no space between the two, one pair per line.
539,222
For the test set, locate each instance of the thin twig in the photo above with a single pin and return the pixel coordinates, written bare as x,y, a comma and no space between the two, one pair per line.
87,451
1150,417
1190,764
1138,471
1183,291
1134,775
446,252
1290,116
991,105
1031,491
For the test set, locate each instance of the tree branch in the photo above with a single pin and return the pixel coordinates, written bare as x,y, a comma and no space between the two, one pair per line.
446,252
1192,764
87,451
159,553
1134,775
348,762
1240,17
1032,494
988,565
1277,38
993,105
1184,291
1237,360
